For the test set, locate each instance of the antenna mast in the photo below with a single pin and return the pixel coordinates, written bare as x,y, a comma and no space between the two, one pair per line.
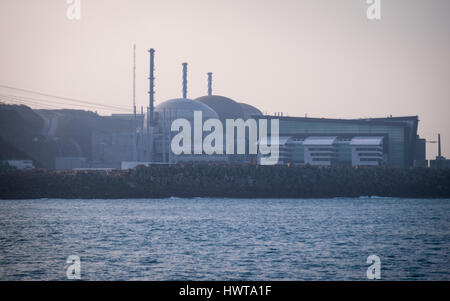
134,80
134,106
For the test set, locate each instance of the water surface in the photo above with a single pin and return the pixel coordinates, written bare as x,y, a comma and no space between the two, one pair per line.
225,239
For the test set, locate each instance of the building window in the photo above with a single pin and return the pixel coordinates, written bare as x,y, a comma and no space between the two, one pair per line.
324,149
369,154
368,149
370,159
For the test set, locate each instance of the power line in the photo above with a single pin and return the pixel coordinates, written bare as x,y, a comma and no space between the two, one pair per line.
22,102
64,98
35,101
45,102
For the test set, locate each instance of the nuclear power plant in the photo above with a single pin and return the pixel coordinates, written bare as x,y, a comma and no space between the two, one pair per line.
151,139
78,139
391,141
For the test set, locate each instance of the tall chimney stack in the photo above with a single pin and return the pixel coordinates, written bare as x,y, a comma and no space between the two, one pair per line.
152,87
439,143
185,80
210,83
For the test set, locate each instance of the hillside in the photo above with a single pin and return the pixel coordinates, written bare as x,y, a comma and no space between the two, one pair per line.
43,135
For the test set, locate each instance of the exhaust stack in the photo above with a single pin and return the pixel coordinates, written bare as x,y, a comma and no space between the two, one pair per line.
439,146
185,80
210,83
151,92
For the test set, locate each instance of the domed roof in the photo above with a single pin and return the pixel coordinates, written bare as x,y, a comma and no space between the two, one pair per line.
184,108
250,111
225,107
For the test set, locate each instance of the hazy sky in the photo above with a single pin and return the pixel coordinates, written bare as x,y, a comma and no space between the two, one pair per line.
323,58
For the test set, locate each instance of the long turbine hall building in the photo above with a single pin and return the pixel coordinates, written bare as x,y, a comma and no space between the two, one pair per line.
389,141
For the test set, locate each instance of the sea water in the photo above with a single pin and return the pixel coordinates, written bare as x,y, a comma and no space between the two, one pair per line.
225,239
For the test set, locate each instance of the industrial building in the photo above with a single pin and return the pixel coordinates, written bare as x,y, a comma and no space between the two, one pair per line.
78,139
17,164
359,142
391,141
440,161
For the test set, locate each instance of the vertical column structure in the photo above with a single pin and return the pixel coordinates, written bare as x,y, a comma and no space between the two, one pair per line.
185,80
134,106
210,83
151,105
151,92
439,146
164,144
134,80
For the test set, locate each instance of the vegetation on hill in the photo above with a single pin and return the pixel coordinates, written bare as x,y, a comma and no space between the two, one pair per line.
43,135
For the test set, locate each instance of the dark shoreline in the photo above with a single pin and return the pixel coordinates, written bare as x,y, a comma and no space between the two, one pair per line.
226,181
